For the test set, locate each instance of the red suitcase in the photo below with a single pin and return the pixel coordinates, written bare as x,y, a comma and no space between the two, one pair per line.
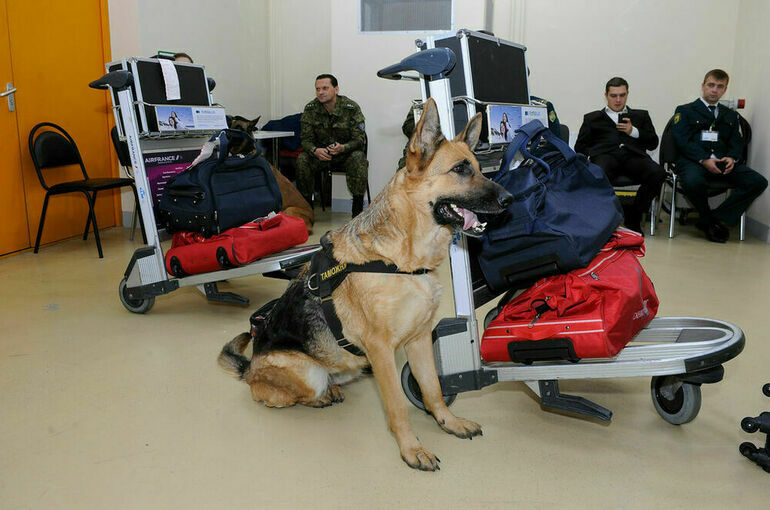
587,313
191,253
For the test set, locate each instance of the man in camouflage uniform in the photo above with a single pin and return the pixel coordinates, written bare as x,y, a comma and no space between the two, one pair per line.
332,133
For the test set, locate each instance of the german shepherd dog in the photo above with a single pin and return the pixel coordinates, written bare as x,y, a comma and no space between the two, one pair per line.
295,357
294,204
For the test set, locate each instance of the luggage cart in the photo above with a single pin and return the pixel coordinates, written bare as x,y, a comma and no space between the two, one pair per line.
678,353
146,276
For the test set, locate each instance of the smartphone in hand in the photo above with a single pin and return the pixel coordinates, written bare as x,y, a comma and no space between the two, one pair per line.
623,117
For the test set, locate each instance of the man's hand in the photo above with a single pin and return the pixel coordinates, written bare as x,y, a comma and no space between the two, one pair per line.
322,153
730,164
710,164
336,148
625,126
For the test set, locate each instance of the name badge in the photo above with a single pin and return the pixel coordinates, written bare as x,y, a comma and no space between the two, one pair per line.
709,136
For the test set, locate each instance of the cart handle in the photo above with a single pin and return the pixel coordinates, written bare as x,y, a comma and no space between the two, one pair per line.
434,64
116,79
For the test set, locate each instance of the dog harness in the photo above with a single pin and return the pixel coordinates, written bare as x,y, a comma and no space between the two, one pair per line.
327,273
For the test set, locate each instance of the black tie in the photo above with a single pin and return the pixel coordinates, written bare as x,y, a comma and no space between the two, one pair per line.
713,109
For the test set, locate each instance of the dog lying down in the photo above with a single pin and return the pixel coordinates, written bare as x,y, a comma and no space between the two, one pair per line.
296,358
294,204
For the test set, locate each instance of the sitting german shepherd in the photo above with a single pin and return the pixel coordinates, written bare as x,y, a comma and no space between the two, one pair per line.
294,204
295,356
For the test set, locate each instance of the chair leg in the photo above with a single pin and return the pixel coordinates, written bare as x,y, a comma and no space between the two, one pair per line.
672,216
653,217
42,222
88,221
92,218
743,226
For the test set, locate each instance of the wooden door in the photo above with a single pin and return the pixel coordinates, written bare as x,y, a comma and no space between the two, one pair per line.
57,49
14,234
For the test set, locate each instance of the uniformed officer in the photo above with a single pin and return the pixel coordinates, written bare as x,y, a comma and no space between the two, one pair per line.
333,133
710,147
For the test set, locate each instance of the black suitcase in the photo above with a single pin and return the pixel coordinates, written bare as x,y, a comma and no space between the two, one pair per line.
221,192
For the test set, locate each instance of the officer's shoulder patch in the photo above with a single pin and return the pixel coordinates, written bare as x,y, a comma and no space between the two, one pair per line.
552,116
677,117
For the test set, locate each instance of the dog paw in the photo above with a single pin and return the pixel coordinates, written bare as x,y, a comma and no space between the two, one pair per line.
335,393
420,458
460,427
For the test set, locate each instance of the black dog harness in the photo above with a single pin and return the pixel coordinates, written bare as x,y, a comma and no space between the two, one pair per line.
327,273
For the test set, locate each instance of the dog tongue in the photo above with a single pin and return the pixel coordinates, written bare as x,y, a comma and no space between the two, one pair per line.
470,218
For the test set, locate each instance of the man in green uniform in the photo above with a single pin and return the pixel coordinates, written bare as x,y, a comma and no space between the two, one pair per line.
333,135
710,149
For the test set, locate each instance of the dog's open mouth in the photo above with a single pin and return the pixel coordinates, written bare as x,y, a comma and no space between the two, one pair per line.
448,213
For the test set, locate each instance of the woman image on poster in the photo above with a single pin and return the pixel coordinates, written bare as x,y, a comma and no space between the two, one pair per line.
505,128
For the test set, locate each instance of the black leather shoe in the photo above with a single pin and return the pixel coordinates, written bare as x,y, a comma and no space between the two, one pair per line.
714,232
723,229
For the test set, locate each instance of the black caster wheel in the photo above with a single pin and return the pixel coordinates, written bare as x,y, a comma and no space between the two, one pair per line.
676,401
134,305
749,425
413,392
176,268
223,259
747,450
766,389
494,312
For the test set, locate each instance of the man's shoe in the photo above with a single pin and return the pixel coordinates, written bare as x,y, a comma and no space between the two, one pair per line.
713,231
358,204
722,228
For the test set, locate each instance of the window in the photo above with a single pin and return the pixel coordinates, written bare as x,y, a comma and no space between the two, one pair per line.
405,15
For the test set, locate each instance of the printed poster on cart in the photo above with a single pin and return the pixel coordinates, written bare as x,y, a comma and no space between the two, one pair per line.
162,165
505,119
188,118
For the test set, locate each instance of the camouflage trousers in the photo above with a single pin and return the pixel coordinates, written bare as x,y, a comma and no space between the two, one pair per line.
354,164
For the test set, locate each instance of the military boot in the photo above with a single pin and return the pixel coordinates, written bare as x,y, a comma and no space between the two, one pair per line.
358,205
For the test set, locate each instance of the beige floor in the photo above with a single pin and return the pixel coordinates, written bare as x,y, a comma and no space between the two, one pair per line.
104,409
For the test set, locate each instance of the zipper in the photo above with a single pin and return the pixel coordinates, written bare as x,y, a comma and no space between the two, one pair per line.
196,195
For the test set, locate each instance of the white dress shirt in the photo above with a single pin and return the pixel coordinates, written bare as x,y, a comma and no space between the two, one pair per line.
612,114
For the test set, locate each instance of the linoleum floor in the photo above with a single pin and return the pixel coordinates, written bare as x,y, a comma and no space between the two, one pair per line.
104,409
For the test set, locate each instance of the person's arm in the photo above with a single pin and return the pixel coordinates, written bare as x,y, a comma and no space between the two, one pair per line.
307,135
648,138
735,143
584,136
690,149
357,132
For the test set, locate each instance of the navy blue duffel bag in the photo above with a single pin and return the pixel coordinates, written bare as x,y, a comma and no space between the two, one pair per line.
564,210
222,191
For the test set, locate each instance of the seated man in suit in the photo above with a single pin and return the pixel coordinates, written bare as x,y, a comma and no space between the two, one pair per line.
710,147
617,139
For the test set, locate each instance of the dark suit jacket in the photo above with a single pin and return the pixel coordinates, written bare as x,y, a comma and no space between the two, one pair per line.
693,118
599,134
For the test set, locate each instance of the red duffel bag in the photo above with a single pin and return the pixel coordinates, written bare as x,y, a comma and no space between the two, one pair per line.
191,253
587,313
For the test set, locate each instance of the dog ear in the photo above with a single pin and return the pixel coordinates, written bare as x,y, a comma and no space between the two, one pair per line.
427,135
253,124
229,120
470,135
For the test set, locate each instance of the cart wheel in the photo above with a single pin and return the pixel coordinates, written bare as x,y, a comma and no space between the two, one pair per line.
412,389
134,305
494,312
747,449
676,401
766,389
749,425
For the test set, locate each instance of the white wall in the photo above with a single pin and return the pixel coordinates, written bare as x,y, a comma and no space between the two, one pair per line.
265,54
750,79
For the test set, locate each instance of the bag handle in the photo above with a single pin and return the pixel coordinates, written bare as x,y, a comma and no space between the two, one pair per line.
533,131
228,137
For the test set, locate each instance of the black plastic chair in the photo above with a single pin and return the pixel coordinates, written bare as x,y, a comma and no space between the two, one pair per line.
121,149
326,179
668,156
56,148
564,132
